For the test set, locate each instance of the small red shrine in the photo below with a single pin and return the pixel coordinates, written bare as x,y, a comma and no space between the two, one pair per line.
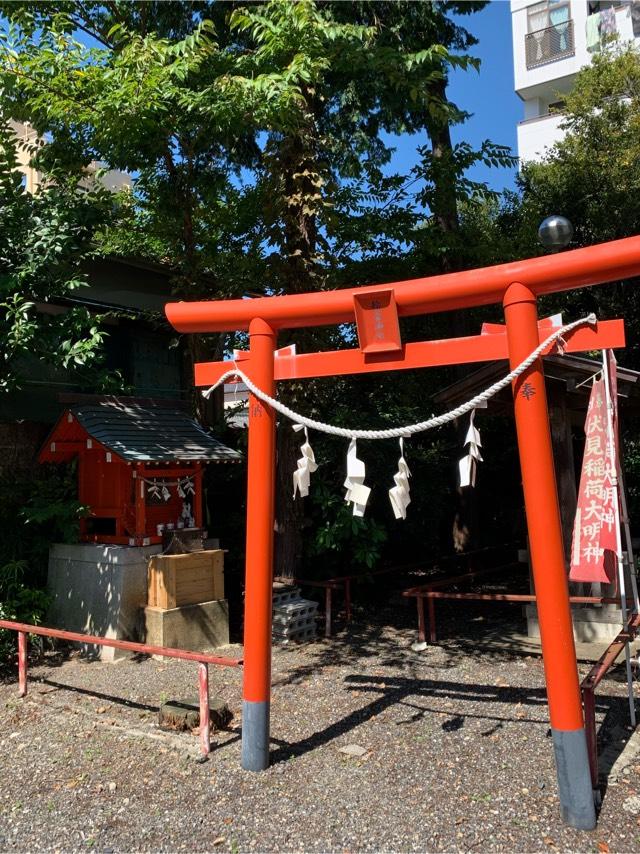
140,467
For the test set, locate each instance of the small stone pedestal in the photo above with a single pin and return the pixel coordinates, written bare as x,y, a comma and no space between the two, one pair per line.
100,590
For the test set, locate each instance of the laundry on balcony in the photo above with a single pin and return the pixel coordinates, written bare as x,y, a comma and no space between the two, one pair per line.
593,32
608,22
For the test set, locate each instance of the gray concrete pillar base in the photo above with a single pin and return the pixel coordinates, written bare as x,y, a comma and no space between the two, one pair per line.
255,735
574,778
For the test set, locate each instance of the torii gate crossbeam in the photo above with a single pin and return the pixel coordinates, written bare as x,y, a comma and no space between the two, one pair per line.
517,287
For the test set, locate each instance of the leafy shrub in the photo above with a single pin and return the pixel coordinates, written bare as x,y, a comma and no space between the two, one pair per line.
38,510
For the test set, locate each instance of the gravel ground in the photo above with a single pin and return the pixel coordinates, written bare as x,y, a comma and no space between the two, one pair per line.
458,754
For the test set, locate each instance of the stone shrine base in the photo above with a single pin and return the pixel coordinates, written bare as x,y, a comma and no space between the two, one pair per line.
591,623
99,589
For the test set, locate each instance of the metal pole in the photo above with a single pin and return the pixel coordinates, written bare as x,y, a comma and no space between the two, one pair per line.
422,636
22,664
203,686
327,611
613,466
547,557
258,598
431,605
347,598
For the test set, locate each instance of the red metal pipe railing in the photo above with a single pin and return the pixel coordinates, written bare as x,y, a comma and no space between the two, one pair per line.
591,682
25,629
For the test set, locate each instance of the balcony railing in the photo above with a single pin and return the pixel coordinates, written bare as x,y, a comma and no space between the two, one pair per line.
549,44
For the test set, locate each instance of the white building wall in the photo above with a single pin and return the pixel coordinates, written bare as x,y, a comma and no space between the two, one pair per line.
544,84
535,136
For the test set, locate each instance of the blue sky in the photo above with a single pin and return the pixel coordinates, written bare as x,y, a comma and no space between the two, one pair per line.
488,95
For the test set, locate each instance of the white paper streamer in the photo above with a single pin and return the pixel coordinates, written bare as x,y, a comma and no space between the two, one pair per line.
165,493
468,464
357,493
306,465
399,494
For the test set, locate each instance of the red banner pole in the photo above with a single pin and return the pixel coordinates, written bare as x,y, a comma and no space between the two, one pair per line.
258,596
547,557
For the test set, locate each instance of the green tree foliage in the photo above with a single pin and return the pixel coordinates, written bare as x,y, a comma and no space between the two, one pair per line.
256,133
44,239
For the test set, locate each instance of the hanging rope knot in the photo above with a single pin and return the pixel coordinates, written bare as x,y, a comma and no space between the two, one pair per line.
561,346
399,494
306,465
357,493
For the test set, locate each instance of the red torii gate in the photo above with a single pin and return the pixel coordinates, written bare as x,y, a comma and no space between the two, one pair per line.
376,310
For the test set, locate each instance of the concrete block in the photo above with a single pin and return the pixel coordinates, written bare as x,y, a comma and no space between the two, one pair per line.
193,627
99,589
283,594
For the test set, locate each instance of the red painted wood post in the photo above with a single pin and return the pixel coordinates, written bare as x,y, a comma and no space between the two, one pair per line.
22,664
140,508
203,686
547,560
258,598
198,498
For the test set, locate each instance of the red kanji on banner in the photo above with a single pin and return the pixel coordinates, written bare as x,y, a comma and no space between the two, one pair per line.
594,546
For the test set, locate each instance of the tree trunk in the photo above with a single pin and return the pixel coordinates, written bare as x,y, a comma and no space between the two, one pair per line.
297,157
445,213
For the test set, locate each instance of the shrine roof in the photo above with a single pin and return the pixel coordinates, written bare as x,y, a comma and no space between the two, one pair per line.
142,432
568,373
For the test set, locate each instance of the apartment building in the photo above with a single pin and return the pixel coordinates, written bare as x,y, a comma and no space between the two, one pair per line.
27,137
552,41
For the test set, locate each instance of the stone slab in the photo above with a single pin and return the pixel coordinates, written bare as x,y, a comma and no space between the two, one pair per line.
100,590
193,627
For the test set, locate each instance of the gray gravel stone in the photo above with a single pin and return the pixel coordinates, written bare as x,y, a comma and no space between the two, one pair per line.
453,738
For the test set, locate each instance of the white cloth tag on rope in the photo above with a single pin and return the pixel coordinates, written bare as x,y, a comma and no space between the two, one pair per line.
153,489
306,465
467,466
399,494
357,493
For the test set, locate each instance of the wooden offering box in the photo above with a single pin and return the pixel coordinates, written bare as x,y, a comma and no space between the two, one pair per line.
189,579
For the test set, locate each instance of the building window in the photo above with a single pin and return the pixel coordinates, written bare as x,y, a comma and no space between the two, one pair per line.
551,13
550,32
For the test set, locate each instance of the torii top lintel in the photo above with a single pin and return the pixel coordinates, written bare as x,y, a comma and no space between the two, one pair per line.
593,265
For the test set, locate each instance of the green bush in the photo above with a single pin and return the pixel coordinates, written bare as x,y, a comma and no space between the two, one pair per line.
37,510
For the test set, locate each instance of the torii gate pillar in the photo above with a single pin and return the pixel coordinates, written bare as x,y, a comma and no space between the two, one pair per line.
258,593
547,560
